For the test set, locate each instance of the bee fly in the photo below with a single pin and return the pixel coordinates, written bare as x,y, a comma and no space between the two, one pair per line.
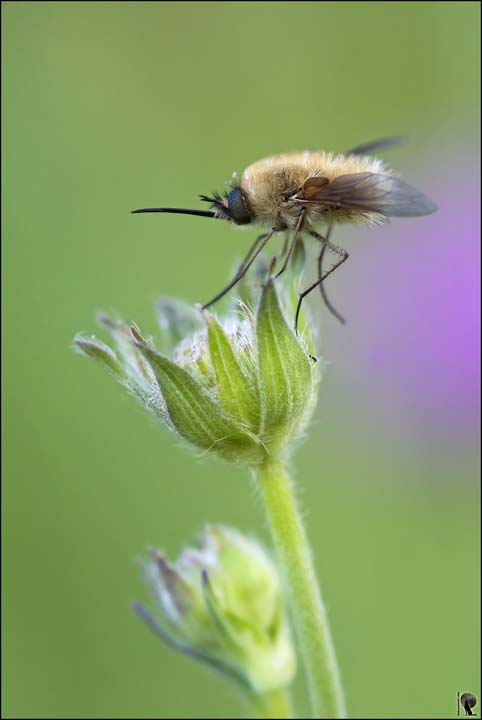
299,193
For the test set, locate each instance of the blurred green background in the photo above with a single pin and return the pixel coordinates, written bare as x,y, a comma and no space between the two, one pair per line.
112,106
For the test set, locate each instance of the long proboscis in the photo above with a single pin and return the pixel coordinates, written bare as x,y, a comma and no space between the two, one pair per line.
180,211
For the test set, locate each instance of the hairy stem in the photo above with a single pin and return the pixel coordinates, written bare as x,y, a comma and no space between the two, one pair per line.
309,614
274,704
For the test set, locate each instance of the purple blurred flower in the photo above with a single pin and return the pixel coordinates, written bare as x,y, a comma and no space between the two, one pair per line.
413,309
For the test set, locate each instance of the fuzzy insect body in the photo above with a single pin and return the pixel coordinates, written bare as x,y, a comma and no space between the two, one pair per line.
302,193
277,187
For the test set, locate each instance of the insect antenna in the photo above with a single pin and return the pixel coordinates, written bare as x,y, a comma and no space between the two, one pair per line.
216,199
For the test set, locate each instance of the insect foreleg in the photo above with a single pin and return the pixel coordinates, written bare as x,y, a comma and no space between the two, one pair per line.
285,245
293,242
254,251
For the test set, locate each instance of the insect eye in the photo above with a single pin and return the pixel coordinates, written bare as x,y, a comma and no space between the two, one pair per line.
238,207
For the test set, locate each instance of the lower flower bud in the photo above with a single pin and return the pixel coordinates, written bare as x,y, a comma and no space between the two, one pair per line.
221,604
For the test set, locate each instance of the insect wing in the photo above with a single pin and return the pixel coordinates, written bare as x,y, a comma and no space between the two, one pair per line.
374,192
384,144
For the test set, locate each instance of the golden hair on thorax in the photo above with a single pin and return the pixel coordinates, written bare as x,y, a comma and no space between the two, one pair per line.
302,193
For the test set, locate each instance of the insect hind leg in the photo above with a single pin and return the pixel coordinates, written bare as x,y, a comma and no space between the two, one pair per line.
324,295
326,245
343,255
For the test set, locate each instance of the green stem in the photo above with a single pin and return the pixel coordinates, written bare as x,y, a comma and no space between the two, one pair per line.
274,704
309,614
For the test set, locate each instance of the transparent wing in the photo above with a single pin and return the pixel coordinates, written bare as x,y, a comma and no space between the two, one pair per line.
384,144
373,192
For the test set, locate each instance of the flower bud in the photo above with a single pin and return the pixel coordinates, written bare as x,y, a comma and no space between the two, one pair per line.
242,387
221,603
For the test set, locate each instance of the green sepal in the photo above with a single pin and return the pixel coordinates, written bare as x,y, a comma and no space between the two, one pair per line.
285,371
93,348
236,391
196,417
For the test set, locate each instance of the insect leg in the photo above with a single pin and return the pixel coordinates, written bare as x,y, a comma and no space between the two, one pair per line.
301,297
334,248
285,245
316,284
293,242
326,244
254,251
324,295
321,277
